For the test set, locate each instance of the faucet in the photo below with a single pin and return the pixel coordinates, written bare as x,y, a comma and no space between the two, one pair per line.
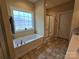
21,42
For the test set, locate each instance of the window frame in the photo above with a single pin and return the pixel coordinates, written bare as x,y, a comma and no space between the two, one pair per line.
26,12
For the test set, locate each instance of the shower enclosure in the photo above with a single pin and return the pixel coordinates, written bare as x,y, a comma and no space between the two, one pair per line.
62,27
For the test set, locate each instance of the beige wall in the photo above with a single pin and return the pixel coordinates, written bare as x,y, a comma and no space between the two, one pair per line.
61,8
75,21
24,6
39,16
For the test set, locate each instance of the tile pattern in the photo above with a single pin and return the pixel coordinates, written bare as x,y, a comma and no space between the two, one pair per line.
55,49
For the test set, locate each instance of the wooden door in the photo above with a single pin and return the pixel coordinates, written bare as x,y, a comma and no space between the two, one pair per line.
47,26
51,29
65,24
56,25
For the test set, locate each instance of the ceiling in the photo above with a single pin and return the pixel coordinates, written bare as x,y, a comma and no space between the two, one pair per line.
51,3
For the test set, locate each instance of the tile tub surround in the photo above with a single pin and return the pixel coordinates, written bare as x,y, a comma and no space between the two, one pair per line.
55,49
25,40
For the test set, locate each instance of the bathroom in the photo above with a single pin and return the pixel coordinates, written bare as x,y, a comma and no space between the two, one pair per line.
31,27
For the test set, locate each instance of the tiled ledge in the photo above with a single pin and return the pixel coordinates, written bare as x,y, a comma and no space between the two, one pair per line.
72,52
25,40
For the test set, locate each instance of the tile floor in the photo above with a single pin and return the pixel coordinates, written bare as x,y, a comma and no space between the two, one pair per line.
55,49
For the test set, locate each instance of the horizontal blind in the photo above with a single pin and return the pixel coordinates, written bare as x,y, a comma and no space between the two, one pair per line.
22,20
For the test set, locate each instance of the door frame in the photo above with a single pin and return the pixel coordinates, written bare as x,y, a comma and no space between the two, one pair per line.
7,30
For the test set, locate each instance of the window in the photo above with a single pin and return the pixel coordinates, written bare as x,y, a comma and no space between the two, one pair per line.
22,20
